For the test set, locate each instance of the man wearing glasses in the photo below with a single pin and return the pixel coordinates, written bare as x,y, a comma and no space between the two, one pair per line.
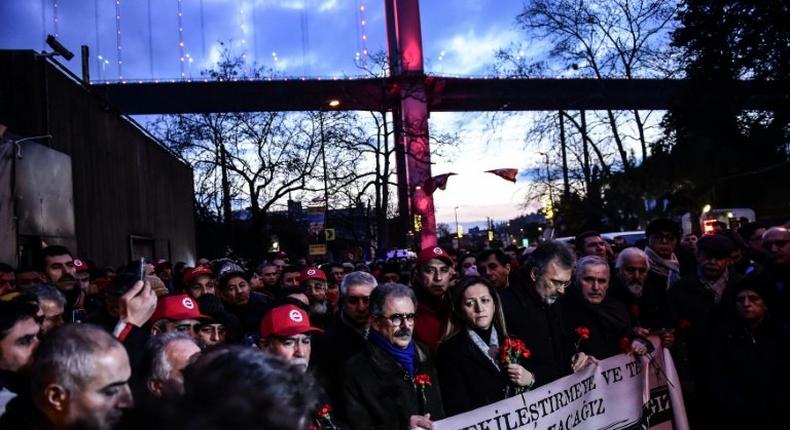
346,335
392,383
533,312
179,313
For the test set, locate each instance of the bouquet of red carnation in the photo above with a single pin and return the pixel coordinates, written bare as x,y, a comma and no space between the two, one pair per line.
323,419
512,351
422,381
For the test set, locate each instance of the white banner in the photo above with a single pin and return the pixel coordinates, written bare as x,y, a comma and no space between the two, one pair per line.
611,395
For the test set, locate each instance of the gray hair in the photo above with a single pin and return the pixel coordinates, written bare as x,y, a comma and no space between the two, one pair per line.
589,260
48,293
383,292
629,252
547,252
357,278
67,357
155,366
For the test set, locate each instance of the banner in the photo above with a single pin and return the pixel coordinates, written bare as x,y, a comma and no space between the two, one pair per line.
612,395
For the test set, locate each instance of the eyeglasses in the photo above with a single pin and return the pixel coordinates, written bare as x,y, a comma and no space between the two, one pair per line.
556,283
398,319
9,282
355,300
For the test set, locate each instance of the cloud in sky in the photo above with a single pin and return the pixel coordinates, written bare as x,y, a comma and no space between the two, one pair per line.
469,31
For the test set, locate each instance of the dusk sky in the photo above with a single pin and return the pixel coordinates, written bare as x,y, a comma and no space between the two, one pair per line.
301,37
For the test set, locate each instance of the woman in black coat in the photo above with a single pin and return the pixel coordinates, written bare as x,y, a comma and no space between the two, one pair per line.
468,361
747,363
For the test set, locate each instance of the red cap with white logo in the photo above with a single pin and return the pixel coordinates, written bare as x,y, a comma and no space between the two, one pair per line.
176,308
436,252
312,273
286,320
80,265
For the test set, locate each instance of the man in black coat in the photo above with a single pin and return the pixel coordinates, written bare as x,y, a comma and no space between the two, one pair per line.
346,335
587,304
392,383
533,313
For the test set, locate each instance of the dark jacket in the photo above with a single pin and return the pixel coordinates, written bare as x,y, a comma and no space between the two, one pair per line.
691,310
251,314
468,379
648,310
331,350
542,329
748,376
21,414
379,394
608,322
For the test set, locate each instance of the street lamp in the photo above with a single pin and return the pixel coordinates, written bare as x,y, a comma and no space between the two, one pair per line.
457,229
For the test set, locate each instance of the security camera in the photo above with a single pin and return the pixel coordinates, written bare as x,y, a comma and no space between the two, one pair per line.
58,48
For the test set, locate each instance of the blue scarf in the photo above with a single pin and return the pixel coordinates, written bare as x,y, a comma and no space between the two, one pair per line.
403,356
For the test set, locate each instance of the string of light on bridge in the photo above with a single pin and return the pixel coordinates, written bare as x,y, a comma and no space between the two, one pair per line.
55,18
118,37
361,55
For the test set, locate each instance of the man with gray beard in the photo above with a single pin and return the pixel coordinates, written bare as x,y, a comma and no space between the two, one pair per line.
313,282
645,305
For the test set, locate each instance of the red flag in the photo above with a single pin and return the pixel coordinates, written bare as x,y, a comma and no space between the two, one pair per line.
507,174
440,182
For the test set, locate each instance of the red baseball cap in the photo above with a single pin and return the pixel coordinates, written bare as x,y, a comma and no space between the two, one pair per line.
178,307
193,273
286,320
312,273
436,252
80,265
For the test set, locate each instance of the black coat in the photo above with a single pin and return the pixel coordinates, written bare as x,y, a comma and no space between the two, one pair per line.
251,314
608,322
331,350
650,309
468,379
542,329
379,394
748,376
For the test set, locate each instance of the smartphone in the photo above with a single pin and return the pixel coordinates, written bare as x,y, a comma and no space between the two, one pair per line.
142,269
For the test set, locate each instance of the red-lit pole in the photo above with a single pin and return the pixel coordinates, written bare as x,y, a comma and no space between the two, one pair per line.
406,60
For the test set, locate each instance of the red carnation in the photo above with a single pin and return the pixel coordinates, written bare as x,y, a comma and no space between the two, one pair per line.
684,324
422,379
512,349
583,332
324,411
625,345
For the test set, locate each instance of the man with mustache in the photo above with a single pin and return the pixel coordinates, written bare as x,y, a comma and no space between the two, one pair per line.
57,268
286,333
587,304
80,380
534,314
392,383
431,280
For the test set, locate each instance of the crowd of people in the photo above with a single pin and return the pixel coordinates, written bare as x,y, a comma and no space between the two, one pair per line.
392,344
